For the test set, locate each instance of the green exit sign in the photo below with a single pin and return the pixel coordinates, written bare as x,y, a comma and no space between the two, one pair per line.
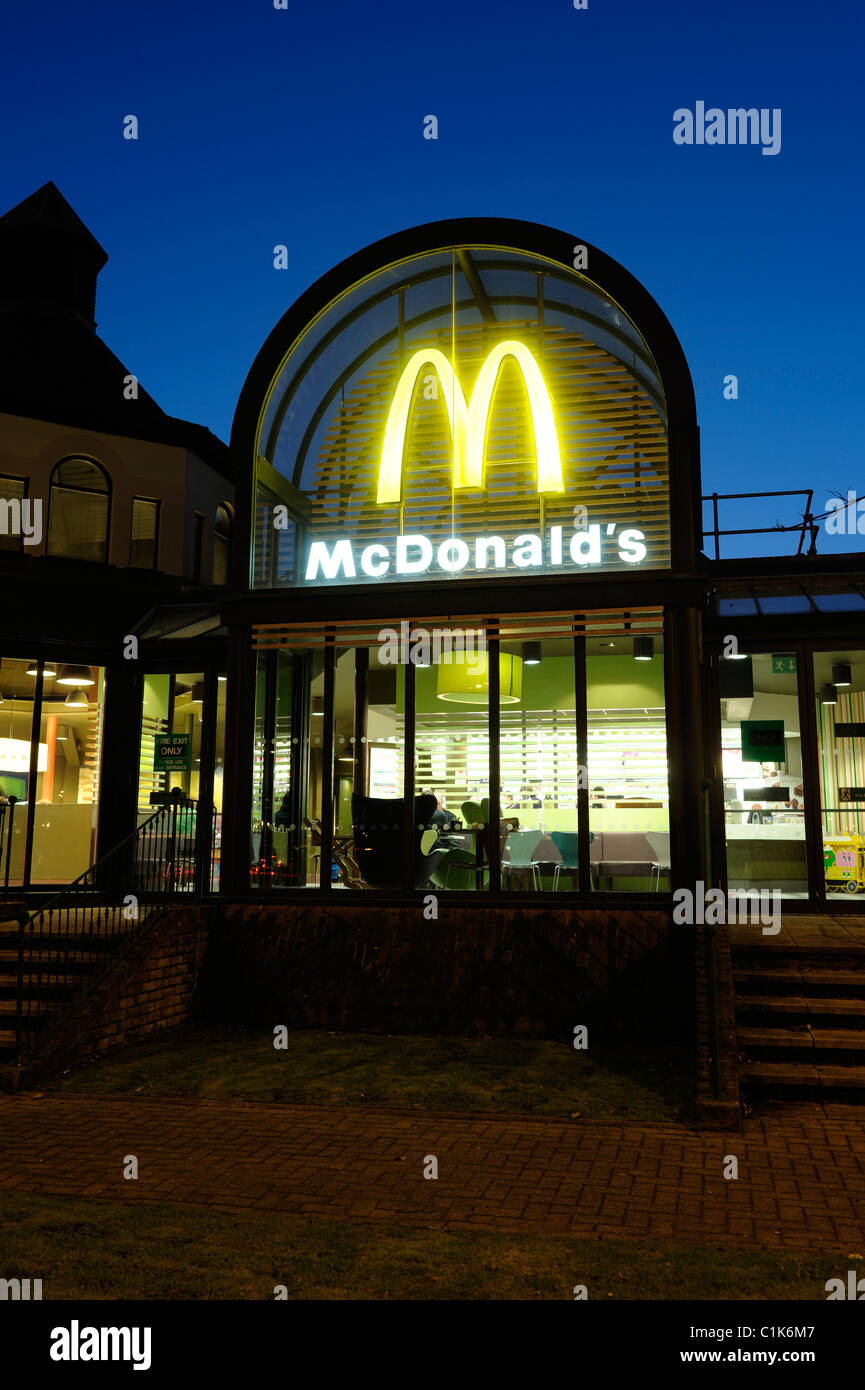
784,665
171,753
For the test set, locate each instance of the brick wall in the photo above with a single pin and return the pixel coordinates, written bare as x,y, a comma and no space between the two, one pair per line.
149,987
721,1110
521,970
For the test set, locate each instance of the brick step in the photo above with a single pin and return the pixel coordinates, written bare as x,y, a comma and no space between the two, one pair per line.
840,982
803,1079
821,1010
845,1046
44,986
8,1007
834,953
57,941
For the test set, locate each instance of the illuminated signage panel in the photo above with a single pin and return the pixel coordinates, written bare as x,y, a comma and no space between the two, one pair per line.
471,412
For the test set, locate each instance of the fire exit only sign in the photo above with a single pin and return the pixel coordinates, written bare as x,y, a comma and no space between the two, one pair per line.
171,753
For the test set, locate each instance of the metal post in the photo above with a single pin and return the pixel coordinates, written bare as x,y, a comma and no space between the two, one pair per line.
493,829
324,877
582,733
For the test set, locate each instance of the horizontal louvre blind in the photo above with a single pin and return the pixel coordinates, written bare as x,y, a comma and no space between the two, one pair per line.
520,627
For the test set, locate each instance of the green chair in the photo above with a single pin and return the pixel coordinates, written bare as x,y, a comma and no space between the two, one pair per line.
567,842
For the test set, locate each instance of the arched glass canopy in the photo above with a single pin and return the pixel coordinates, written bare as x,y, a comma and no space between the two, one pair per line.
472,393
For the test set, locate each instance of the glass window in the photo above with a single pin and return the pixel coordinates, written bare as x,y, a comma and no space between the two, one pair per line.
539,769
274,546
174,704
761,759
78,511
199,558
144,537
67,785
452,757
737,607
218,770
12,491
784,603
839,603
221,545
17,690
369,804
362,456
839,678
627,763
448,832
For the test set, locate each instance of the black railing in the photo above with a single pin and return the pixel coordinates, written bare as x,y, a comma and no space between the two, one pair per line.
7,823
59,945
808,524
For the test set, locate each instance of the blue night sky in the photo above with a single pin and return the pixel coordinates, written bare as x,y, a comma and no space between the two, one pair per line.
261,126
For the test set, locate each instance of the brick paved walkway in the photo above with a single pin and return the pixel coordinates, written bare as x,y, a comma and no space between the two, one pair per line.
801,1181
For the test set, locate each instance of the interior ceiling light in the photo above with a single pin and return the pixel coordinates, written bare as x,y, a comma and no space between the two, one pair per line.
532,653
644,648
736,656
467,682
76,699
828,694
49,672
198,693
841,673
76,676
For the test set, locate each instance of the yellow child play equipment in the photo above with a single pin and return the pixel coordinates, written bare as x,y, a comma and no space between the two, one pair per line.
844,863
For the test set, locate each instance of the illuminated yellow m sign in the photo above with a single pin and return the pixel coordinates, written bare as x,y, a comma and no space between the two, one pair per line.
469,423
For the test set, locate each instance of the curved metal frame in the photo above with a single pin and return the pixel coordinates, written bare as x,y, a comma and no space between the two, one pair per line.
602,272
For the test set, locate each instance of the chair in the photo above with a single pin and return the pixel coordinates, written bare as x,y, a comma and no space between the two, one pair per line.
659,840
567,842
314,828
378,827
521,846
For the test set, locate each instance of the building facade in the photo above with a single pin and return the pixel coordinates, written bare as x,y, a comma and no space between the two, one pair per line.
442,621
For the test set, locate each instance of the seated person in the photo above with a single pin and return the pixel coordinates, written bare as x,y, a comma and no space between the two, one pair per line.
441,818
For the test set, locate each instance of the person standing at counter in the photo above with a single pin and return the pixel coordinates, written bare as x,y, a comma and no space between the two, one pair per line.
757,816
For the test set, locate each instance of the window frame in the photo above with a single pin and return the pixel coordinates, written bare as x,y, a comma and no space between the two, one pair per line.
157,503
108,493
14,478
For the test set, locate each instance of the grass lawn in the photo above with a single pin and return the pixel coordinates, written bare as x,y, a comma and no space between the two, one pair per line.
407,1072
143,1250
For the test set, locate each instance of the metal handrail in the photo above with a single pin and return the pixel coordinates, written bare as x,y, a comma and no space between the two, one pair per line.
115,898
7,819
711,961
808,522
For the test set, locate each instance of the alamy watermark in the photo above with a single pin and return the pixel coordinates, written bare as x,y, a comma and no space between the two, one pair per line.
845,516
421,646
22,516
732,127
20,1290
714,907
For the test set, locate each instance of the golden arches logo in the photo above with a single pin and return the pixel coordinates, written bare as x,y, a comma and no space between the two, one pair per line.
469,423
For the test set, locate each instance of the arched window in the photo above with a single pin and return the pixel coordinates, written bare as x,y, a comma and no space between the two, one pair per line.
222,545
78,510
